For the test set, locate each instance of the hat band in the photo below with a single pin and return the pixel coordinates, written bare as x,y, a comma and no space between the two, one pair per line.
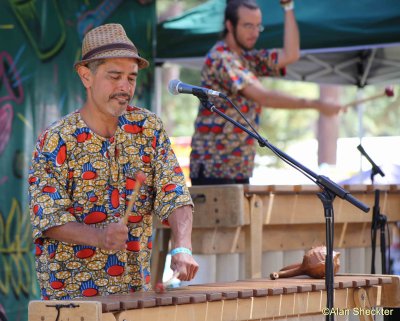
114,46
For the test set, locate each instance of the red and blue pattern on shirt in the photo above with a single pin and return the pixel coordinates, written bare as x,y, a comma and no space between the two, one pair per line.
79,176
220,149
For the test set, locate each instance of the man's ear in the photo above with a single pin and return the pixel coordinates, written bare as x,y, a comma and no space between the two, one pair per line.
86,75
229,26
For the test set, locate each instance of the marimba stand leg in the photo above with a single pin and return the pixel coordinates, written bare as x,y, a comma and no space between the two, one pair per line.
253,239
159,254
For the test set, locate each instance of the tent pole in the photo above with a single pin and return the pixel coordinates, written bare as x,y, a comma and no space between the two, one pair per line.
360,113
158,90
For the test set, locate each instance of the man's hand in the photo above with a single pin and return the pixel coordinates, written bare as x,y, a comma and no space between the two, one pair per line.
185,265
113,236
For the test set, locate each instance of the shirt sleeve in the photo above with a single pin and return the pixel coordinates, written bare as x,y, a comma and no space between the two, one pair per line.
264,62
231,72
170,185
49,201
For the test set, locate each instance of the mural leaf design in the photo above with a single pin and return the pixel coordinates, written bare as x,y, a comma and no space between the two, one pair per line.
35,18
16,261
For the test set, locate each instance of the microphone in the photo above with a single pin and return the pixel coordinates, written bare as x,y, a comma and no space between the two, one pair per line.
176,87
375,167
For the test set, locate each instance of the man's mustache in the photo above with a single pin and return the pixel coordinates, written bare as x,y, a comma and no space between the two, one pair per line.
121,95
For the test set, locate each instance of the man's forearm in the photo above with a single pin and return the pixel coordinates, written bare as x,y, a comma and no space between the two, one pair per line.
111,237
182,262
291,40
181,221
74,233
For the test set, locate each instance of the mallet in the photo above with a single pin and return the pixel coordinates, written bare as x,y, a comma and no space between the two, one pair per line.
389,92
139,180
162,287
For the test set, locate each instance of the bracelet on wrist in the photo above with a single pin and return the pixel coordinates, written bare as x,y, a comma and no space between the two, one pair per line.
287,5
178,250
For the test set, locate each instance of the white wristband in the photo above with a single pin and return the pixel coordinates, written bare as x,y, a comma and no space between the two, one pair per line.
288,6
181,250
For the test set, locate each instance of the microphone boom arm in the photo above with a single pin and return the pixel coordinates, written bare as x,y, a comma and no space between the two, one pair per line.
375,168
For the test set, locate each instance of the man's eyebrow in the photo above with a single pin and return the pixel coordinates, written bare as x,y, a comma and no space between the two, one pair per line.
116,72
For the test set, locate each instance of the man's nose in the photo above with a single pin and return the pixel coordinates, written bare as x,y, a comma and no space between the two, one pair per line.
125,85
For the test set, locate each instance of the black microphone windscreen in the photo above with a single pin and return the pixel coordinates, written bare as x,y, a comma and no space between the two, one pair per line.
173,86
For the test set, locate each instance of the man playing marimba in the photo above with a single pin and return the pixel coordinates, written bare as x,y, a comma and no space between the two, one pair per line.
85,170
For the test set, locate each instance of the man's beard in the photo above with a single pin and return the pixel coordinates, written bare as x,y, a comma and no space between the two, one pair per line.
239,43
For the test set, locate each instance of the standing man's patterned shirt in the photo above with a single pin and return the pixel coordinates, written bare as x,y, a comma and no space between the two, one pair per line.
79,176
219,149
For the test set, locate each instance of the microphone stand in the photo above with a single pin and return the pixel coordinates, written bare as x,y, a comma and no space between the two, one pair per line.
329,191
379,221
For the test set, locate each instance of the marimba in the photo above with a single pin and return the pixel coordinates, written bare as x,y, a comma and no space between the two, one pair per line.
253,219
260,299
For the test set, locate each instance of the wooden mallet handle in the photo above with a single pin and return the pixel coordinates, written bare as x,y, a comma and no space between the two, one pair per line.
288,271
389,92
140,178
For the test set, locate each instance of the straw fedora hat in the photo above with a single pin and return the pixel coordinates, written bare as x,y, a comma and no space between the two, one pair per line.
109,41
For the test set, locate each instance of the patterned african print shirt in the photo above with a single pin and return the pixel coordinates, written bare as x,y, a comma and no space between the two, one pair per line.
79,176
219,149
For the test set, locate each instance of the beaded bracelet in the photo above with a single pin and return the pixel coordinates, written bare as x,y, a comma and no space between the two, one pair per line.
287,5
181,250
